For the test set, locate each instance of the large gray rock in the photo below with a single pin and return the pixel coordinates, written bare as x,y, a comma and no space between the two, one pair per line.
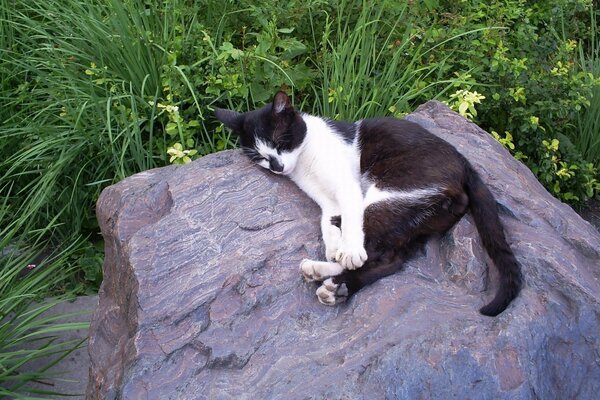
202,298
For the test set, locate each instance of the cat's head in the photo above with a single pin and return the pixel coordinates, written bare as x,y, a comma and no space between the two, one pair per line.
271,136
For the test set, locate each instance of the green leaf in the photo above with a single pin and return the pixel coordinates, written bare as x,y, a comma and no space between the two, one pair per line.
292,48
236,54
556,187
172,129
226,47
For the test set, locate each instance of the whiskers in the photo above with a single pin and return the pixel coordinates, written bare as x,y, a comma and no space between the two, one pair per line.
252,154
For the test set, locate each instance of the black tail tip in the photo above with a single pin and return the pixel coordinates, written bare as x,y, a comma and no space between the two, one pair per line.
492,310
509,290
499,304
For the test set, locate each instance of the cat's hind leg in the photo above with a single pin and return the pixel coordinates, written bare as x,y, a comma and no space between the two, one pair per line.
394,231
338,288
319,270
330,293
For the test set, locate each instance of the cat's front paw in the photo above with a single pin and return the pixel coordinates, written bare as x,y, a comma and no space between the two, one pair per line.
330,293
331,252
319,270
309,271
351,257
331,238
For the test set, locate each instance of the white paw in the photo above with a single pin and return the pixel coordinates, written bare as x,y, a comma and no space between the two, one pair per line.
307,268
331,238
330,293
351,257
319,270
331,252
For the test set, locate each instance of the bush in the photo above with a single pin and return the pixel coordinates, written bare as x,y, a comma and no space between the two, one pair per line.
527,69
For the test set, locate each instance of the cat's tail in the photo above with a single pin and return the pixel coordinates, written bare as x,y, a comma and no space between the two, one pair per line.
485,213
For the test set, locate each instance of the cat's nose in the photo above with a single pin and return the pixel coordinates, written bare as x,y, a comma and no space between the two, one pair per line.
275,165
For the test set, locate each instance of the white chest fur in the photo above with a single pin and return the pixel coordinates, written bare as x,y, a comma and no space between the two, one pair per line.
328,170
325,162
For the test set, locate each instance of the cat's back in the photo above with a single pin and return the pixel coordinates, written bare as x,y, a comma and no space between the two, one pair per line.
402,132
389,145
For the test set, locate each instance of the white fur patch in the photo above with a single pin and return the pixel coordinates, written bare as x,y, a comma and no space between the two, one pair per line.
352,257
332,236
287,158
415,196
319,270
264,164
265,150
328,170
326,293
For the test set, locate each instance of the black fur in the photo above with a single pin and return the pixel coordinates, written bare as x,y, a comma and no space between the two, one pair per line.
399,154
346,130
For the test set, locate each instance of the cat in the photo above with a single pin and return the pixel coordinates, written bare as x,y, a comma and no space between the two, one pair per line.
384,185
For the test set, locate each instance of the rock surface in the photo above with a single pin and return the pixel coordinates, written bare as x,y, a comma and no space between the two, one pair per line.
202,298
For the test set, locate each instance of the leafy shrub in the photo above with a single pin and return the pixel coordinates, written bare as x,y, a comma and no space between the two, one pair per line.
527,69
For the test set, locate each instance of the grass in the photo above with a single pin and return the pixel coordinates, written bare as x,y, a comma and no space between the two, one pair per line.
72,132
27,274
365,76
587,138
79,82
64,136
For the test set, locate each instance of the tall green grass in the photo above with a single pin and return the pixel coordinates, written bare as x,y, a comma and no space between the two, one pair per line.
587,138
28,345
78,79
374,64
28,271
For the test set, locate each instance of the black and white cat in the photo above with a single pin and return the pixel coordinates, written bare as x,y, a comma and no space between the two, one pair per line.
384,185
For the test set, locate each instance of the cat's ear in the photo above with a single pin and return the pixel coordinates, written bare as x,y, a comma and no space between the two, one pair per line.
231,119
281,104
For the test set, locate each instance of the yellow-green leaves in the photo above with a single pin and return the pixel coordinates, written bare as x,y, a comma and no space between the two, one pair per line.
551,145
506,141
464,102
179,155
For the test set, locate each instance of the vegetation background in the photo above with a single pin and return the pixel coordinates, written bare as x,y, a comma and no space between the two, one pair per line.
93,91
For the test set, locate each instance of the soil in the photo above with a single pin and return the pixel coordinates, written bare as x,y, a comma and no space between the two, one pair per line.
590,211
